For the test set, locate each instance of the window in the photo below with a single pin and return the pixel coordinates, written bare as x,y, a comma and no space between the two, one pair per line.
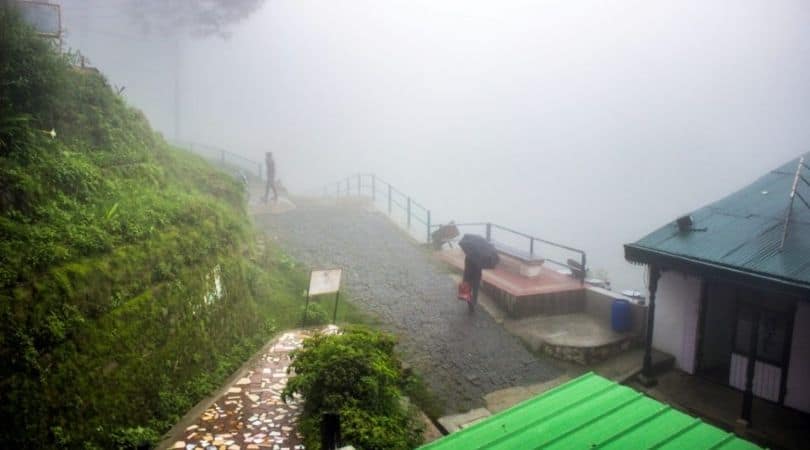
772,335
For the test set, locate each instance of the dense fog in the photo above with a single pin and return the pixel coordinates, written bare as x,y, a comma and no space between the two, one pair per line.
590,123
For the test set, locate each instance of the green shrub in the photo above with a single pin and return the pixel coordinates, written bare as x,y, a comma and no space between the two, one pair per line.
134,438
356,374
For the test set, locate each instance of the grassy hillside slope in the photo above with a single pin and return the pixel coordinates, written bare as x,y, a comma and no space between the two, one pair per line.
128,287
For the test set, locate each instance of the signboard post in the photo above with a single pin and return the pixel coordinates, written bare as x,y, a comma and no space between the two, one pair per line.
323,282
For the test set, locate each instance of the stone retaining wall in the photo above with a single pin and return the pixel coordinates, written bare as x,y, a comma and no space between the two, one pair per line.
589,355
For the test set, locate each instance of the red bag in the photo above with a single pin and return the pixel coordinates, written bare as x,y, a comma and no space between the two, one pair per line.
465,291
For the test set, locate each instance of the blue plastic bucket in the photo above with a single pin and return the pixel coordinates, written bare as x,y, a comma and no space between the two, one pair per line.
621,317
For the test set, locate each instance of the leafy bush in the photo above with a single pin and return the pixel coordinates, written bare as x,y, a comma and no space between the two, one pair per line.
135,438
356,374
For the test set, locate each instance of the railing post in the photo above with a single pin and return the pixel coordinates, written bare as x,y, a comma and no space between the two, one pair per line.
584,269
428,227
359,190
489,231
389,199
409,213
531,246
373,188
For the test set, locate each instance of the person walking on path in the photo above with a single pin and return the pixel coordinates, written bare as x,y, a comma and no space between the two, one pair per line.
271,177
472,275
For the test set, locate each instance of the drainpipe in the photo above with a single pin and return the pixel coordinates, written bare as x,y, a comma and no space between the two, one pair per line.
646,377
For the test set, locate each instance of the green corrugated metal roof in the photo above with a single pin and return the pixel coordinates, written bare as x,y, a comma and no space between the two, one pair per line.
743,231
586,413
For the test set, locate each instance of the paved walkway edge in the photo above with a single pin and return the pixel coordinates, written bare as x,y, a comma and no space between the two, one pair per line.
177,432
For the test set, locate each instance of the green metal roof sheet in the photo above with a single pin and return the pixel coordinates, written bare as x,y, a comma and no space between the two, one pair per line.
743,230
586,413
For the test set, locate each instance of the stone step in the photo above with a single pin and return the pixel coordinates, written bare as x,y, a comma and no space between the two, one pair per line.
457,422
662,362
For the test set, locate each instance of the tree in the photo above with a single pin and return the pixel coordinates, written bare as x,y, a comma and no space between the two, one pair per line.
170,17
201,18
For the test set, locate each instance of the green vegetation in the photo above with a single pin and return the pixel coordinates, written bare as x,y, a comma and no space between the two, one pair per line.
357,375
130,286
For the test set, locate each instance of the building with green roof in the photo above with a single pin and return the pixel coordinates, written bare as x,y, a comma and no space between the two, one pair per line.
586,413
729,289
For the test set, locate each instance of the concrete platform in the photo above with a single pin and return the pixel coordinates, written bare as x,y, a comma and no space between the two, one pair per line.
584,337
548,292
577,337
570,330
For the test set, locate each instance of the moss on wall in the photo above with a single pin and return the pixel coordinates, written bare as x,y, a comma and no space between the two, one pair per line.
111,241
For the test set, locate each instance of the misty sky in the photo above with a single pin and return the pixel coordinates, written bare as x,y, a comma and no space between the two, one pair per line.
586,122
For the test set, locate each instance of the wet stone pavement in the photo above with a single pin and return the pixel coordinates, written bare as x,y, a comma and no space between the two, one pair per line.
462,356
250,415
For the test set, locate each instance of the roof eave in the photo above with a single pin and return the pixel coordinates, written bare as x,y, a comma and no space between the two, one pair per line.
644,255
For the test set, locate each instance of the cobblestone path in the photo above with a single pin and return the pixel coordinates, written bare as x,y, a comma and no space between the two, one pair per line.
461,356
250,415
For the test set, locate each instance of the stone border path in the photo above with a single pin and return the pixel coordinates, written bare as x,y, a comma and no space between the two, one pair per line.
250,414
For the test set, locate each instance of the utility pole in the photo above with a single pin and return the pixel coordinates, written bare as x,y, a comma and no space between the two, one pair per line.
177,89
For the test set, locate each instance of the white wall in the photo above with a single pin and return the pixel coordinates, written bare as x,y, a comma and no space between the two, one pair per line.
767,378
677,303
798,381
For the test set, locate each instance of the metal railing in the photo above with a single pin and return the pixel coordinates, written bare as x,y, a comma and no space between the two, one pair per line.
379,190
220,155
509,240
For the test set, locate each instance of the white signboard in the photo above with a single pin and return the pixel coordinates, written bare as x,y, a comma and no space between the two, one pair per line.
324,281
